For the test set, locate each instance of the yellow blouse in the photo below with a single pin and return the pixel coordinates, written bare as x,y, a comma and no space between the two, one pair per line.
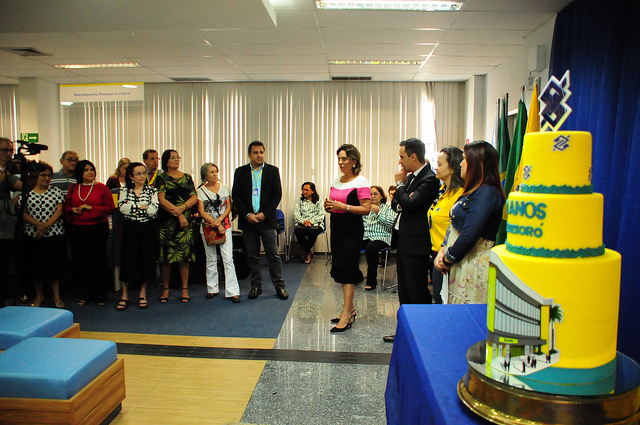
438,216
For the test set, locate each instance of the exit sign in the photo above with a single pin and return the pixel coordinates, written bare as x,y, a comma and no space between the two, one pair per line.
29,137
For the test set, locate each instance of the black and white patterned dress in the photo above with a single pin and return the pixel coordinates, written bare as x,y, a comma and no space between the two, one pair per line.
44,258
139,235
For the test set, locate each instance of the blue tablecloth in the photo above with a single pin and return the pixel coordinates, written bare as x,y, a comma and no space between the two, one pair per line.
427,362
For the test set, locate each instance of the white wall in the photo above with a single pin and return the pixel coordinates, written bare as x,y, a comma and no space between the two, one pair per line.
514,73
475,110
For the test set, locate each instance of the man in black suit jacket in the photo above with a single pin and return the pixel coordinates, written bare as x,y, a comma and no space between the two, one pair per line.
415,194
256,193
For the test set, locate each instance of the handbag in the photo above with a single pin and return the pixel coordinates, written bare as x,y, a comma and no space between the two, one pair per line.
213,236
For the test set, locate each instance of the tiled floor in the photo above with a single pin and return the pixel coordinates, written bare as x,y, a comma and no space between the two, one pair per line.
327,393
306,376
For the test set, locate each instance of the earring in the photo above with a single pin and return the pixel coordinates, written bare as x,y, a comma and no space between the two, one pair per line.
354,166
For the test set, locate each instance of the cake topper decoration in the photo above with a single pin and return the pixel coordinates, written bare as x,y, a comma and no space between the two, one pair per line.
561,143
555,96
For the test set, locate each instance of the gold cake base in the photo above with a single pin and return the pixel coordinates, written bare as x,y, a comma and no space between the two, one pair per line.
502,404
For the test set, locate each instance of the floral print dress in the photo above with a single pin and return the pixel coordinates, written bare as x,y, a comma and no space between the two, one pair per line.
176,243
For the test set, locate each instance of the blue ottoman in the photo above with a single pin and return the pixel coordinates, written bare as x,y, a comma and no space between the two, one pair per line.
60,379
20,323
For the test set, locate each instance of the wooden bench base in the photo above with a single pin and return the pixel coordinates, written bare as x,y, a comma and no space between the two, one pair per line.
71,332
92,405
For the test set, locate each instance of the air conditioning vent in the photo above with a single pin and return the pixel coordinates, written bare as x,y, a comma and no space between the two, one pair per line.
24,51
351,78
191,79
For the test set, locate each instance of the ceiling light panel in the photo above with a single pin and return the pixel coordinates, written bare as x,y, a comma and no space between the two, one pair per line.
98,66
423,6
374,62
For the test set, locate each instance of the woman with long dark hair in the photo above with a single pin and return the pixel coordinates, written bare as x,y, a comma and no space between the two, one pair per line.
138,203
475,219
87,207
308,214
448,171
349,200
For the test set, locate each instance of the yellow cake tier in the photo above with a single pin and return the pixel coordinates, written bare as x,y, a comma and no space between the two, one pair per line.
587,290
557,162
563,226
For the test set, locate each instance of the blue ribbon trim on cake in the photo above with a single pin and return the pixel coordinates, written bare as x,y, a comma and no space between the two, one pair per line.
556,253
557,190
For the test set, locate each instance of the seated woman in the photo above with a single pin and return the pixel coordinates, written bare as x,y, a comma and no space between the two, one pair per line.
138,203
392,189
475,219
309,218
44,244
214,206
118,178
377,233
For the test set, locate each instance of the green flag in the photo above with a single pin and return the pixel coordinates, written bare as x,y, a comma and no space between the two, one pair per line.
503,141
512,165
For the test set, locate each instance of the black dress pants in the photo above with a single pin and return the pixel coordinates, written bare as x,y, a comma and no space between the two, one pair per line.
413,279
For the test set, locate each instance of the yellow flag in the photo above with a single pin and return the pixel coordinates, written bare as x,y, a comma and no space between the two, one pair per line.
533,124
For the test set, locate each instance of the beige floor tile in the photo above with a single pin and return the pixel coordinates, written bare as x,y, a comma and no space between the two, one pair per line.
181,340
205,341
182,416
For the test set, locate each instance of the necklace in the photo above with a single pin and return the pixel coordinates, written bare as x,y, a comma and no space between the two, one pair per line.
86,197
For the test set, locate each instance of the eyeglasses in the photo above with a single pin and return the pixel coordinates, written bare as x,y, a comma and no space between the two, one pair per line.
72,159
46,176
139,174
7,150
175,157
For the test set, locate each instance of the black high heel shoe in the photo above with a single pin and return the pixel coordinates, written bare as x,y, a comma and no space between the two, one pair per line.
347,326
337,319
183,298
164,300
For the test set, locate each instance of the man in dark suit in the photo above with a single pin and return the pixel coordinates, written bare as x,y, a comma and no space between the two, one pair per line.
415,194
256,193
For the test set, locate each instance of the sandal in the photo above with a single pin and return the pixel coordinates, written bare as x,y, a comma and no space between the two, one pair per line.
164,300
122,305
183,298
143,303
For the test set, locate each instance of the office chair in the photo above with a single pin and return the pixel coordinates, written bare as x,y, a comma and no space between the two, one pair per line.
281,229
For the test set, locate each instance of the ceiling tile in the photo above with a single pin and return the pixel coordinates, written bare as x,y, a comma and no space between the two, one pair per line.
379,36
484,37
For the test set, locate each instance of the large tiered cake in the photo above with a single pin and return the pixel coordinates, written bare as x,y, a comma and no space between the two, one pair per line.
553,287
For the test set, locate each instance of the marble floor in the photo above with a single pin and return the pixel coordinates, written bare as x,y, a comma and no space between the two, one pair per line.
342,389
305,376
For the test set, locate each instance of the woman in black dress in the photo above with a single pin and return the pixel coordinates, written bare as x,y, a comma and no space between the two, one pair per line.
349,200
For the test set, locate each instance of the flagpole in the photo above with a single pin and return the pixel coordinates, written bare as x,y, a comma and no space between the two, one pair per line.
496,124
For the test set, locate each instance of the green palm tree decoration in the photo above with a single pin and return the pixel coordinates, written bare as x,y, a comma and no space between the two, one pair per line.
555,315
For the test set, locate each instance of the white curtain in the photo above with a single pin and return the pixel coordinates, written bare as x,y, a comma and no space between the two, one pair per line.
449,113
9,112
301,125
